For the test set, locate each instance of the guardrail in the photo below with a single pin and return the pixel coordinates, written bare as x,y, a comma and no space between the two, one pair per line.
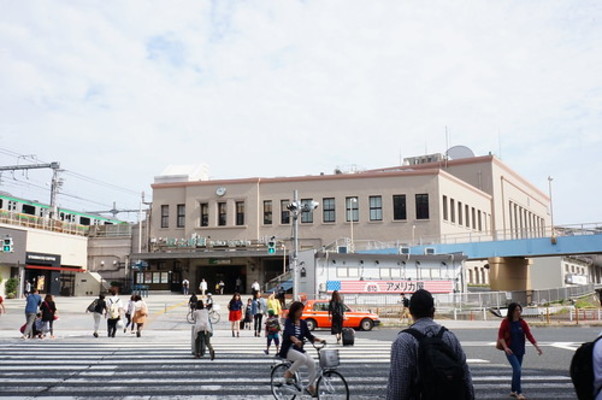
31,221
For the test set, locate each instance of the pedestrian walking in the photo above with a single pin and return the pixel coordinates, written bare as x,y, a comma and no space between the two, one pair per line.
255,288
98,308
405,309
192,301
412,373
115,310
2,309
27,287
274,305
258,308
336,312
140,314
222,285
129,313
49,314
202,331
272,329
511,338
248,320
185,286
281,296
32,302
203,287
235,315
238,285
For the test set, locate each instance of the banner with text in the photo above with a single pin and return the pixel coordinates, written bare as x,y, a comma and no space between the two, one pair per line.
381,287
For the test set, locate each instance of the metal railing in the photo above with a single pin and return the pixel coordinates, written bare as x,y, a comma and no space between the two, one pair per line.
31,221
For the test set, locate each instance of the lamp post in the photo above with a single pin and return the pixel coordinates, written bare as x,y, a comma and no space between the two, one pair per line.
296,208
550,179
352,201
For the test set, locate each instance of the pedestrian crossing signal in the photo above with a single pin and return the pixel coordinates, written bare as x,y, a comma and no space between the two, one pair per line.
7,245
272,245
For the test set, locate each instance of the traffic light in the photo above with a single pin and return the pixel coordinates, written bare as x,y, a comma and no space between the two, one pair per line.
7,245
272,245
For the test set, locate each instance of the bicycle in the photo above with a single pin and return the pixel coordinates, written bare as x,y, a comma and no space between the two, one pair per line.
214,316
330,384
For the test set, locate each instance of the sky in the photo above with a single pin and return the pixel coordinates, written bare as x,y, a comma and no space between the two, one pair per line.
117,91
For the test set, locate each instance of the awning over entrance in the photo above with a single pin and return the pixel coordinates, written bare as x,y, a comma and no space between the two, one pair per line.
44,267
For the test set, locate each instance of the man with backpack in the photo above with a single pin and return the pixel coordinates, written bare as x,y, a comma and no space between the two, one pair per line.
586,370
427,360
114,310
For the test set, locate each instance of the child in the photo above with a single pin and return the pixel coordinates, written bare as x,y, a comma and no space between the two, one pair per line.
40,327
272,327
248,314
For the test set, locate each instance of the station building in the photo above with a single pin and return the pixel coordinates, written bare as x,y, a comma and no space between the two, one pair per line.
218,229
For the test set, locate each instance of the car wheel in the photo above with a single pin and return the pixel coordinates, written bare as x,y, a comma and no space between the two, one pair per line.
366,324
311,324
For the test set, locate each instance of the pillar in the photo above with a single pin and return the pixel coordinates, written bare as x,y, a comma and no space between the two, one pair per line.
509,273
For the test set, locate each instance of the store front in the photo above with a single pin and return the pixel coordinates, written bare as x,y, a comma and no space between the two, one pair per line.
45,273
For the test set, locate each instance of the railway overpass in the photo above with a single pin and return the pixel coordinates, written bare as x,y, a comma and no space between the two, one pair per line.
509,260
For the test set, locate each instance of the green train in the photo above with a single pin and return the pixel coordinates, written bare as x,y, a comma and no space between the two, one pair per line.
24,208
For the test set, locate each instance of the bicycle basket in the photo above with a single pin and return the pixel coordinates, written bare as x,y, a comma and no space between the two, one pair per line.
329,358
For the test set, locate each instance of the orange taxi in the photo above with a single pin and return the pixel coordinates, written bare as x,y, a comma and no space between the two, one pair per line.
315,313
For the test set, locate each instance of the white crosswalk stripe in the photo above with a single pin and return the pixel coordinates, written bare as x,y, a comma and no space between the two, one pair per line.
161,365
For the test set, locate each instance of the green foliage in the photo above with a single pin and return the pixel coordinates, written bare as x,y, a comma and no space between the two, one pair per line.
11,286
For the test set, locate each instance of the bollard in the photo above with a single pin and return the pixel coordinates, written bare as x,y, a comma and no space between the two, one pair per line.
548,315
484,314
577,316
455,314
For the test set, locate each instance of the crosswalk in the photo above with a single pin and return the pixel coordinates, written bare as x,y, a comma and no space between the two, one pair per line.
160,365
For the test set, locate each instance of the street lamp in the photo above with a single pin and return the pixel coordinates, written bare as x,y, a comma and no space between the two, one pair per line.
296,208
550,179
352,201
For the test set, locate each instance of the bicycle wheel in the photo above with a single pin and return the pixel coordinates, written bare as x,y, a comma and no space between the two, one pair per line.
214,317
280,389
332,385
190,317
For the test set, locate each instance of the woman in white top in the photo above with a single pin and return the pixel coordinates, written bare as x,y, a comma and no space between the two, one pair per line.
129,314
202,331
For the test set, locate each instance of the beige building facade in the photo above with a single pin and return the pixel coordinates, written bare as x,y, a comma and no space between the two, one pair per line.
218,229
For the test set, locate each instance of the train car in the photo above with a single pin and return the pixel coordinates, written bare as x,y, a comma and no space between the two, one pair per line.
12,204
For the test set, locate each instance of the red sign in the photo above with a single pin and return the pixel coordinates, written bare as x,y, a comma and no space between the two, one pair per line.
381,287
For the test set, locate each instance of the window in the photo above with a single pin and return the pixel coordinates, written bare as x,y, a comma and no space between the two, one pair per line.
329,212
204,214
474,220
452,210
459,213
27,209
267,212
352,211
307,217
164,216
376,208
285,214
221,214
12,205
84,221
480,221
399,207
422,206
342,272
445,216
467,209
181,220
240,213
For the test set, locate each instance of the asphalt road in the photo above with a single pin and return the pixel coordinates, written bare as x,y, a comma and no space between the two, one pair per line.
159,364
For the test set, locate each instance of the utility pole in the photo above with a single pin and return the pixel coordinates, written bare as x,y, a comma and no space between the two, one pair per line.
55,183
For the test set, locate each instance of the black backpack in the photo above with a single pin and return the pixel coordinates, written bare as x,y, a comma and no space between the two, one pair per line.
440,373
582,371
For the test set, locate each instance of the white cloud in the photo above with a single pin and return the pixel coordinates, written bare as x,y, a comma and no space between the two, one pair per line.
119,90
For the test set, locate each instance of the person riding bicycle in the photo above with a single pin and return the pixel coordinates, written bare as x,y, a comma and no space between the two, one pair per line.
295,330
192,302
209,302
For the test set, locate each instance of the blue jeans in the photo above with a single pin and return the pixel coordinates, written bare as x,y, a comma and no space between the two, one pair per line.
516,362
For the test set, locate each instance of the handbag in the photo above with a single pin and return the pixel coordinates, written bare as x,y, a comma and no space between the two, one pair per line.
120,324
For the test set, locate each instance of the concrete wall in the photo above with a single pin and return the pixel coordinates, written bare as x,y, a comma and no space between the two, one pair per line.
72,249
89,284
